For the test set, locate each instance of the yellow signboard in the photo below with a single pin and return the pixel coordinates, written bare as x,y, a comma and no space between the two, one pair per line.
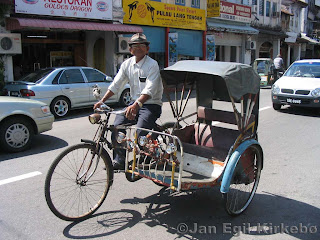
152,13
213,8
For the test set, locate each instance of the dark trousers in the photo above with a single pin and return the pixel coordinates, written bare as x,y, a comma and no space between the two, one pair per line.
146,118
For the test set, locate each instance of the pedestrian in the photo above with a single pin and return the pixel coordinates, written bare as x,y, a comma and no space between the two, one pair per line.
278,66
143,75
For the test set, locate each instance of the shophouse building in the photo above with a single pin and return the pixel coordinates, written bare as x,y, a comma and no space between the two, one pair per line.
309,28
52,33
291,19
235,40
267,19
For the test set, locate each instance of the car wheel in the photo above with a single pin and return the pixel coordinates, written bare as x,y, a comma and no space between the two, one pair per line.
16,134
276,106
60,107
125,98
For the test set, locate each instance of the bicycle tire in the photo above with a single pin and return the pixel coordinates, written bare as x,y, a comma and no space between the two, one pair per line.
73,199
245,177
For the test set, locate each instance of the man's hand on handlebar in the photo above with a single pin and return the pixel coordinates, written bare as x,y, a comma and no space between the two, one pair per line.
97,105
132,111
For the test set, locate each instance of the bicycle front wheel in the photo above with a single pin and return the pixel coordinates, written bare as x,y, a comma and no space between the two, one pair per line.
78,182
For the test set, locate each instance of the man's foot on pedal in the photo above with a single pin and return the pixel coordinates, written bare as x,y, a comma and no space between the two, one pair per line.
118,166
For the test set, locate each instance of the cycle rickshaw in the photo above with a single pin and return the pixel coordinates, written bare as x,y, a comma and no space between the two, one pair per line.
219,148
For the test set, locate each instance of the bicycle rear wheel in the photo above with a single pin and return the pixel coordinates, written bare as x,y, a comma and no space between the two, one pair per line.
78,182
244,181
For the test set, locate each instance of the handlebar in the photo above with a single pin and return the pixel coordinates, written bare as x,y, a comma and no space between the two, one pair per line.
106,109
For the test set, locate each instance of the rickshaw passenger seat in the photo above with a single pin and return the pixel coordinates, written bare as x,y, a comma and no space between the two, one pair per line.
206,140
209,114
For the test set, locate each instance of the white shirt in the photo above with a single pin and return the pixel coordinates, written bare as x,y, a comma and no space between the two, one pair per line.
278,63
130,72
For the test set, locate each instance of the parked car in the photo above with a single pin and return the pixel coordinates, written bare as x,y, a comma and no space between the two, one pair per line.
265,68
65,88
20,120
299,86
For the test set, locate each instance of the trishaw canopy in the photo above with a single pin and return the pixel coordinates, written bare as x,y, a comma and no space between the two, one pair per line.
239,78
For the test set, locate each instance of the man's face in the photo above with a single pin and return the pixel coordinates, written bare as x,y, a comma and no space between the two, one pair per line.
139,50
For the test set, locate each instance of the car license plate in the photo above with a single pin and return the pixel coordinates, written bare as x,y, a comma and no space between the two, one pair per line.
14,94
296,101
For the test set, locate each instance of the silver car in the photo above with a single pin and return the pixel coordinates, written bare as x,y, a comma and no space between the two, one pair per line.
20,120
65,88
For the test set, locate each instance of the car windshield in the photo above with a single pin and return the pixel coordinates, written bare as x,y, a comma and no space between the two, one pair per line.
262,66
37,76
304,69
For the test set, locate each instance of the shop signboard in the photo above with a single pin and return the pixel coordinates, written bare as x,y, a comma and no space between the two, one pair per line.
173,53
211,47
213,8
93,9
235,12
159,14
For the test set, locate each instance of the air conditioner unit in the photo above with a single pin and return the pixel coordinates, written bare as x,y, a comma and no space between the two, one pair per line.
123,46
251,45
10,43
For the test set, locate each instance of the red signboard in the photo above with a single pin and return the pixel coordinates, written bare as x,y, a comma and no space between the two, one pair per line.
235,12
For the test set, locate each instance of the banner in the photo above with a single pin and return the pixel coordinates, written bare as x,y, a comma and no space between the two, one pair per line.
213,8
159,14
211,47
94,9
173,53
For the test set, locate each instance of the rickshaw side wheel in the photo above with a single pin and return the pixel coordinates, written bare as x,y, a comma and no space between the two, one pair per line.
129,176
276,106
244,181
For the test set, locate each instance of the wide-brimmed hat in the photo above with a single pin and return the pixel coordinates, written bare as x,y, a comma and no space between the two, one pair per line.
138,38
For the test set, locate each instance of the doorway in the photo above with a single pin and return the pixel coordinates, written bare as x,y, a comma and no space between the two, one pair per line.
99,59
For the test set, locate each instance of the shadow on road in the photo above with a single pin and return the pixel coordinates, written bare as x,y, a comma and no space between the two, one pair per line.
308,112
200,215
103,224
41,143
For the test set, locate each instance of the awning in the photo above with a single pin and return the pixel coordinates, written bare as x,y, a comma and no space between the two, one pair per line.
22,23
234,27
304,38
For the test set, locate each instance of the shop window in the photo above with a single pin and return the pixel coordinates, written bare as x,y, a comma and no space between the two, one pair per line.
195,3
274,9
233,56
267,9
71,76
94,76
181,2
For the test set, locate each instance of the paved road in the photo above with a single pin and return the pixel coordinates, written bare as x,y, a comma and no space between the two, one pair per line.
286,205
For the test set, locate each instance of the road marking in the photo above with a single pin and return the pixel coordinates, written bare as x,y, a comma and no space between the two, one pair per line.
264,108
18,178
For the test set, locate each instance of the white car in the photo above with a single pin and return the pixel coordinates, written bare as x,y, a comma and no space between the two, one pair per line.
299,86
20,120
65,88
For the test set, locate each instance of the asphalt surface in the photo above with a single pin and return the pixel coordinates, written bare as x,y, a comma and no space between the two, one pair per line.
286,205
